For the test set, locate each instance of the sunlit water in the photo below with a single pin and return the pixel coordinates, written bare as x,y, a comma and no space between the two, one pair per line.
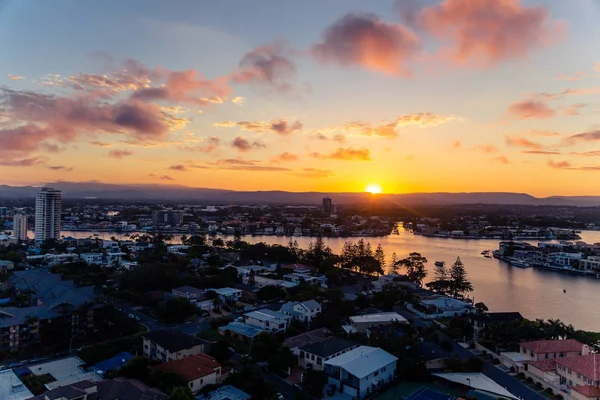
535,293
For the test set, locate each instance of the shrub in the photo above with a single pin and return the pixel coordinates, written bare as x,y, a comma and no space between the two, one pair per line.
538,384
521,375
549,390
529,379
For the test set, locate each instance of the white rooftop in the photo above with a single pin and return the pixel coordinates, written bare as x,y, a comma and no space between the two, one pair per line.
477,380
66,371
11,386
379,318
515,356
363,360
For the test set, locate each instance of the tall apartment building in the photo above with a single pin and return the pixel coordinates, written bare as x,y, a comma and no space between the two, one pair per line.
327,205
20,226
167,217
48,206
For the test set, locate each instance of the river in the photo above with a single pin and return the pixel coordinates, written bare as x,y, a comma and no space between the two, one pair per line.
535,293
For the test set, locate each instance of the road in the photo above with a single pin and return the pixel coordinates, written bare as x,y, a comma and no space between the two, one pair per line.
190,328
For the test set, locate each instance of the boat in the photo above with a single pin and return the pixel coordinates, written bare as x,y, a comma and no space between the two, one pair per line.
487,255
439,263
483,253
519,263
564,290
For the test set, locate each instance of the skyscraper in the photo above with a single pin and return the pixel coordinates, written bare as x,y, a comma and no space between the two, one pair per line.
48,206
327,205
20,226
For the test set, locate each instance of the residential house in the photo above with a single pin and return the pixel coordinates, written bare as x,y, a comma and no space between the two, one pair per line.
295,342
362,371
240,330
360,323
229,295
6,265
118,388
591,263
304,311
188,292
198,370
272,321
92,258
170,345
314,355
549,349
65,371
11,386
226,392
441,307
581,374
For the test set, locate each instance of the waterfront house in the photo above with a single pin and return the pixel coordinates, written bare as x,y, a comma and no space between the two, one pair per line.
197,371
360,323
313,355
272,321
361,372
170,345
549,349
304,311
580,374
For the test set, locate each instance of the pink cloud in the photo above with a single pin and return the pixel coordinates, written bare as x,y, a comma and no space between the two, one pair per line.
346,154
367,41
485,32
486,148
501,160
15,77
120,153
530,109
573,109
267,65
24,162
522,142
244,145
285,157
561,164
590,136
280,127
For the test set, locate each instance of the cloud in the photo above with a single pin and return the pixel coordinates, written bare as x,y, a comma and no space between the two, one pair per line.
280,127
211,144
346,154
522,142
575,77
284,157
486,32
101,144
238,101
314,173
60,168
15,77
268,66
238,164
592,153
590,136
565,92
166,178
535,132
486,148
367,41
597,67
179,167
321,136
244,145
24,162
388,129
120,153
456,144
561,164
544,152
574,109
530,109
501,160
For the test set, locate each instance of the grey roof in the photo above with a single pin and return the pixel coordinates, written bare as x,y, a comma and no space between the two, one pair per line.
69,392
119,388
11,386
242,329
173,340
306,338
328,347
189,289
311,304
51,291
226,392
268,315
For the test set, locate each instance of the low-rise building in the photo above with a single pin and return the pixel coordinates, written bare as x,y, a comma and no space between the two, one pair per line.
240,330
170,345
92,258
188,292
316,335
360,323
315,354
227,294
226,392
11,386
304,311
362,371
118,388
579,370
272,321
198,370
548,349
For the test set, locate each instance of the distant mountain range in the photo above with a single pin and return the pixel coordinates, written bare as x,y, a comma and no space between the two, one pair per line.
99,190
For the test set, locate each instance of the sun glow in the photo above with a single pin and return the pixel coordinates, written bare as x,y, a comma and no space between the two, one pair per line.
373,188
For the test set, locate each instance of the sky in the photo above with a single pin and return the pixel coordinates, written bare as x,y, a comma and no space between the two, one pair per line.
337,95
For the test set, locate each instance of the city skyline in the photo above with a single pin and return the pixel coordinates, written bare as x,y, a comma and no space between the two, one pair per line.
393,96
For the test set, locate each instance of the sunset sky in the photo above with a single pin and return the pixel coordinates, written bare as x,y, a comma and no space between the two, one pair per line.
416,96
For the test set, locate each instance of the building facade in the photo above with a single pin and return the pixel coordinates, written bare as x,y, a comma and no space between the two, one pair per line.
170,345
20,226
48,208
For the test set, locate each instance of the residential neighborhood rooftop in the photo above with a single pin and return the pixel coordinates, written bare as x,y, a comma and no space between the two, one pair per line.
267,315
587,390
226,392
363,360
378,317
189,289
544,365
328,347
589,366
306,338
553,346
224,291
173,340
192,367
11,386
242,329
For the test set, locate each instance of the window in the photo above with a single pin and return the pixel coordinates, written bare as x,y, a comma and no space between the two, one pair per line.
301,354
312,357
546,356
191,384
201,381
376,373
319,361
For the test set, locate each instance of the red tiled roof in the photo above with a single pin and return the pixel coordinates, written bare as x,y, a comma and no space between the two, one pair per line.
191,368
553,346
544,365
587,391
588,366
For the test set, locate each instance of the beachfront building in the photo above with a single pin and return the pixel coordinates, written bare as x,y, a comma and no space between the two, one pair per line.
548,349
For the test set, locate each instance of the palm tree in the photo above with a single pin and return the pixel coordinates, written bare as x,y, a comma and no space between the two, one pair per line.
217,302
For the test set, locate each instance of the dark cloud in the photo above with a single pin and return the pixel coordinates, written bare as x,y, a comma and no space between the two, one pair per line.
281,127
244,145
269,66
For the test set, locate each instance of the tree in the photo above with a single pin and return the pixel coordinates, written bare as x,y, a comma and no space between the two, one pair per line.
181,393
264,346
270,292
459,285
394,263
481,307
349,252
415,267
380,256
317,252
440,284
217,302
294,249
283,360
220,350
176,309
315,382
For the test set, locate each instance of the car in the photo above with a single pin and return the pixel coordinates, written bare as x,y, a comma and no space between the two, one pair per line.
279,396
131,316
298,388
239,319
137,318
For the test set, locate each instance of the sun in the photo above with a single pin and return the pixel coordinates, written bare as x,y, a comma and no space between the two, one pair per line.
373,188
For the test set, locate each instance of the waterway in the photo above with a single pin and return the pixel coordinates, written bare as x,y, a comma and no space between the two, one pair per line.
535,293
